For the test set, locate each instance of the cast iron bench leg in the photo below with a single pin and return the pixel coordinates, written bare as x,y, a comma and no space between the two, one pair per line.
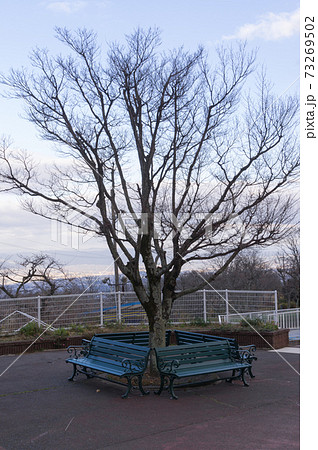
253,358
250,372
71,378
229,380
170,388
162,382
128,388
243,378
141,387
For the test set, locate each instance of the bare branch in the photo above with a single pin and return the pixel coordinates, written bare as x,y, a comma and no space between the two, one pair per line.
164,141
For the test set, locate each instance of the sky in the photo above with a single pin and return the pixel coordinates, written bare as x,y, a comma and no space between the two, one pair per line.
271,26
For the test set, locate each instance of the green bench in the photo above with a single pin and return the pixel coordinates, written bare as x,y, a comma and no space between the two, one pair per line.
133,337
102,355
187,337
179,361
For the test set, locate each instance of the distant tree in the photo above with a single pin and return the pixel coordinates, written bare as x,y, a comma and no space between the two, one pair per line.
42,272
288,268
248,271
77,285
252,272
172,165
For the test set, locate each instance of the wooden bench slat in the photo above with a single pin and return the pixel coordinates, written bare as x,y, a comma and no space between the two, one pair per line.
101,360
138,337
117,344
112,368
115,353
202,370
88,363
195,349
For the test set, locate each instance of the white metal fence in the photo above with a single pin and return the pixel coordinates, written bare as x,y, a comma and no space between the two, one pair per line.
284,318
99,308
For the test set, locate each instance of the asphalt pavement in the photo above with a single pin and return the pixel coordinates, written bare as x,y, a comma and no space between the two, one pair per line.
41,409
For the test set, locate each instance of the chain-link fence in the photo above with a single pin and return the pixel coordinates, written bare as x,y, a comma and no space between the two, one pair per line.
98,309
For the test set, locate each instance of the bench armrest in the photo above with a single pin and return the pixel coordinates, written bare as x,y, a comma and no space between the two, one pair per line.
168,366
135,365
250,349
244,355
78,351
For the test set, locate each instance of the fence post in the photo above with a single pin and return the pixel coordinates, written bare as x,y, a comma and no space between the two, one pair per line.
204,306
298,318
276,307
39,310
227,305
119,306
101,308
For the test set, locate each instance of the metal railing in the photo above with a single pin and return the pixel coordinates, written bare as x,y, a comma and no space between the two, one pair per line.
283,318
96,309
287,318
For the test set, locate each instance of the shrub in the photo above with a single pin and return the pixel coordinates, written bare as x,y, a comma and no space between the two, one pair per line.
31,329
258,324
61,332
269,326
115,325
226,326
77,328
198,321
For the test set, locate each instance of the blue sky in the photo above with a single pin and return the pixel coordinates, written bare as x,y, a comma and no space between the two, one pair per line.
271,26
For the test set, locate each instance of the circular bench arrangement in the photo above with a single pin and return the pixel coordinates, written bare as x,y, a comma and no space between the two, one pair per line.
125,355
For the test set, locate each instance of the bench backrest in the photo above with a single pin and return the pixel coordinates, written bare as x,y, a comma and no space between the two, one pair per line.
186,337
194,354
114,353
136,338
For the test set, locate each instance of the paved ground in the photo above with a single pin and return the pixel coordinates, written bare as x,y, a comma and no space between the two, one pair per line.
40,409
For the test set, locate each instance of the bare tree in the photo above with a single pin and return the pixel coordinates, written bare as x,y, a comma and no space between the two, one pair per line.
45,273
249,270
190,169
288,268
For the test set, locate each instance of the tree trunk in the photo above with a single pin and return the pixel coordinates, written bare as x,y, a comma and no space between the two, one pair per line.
153,306
157,330
157,338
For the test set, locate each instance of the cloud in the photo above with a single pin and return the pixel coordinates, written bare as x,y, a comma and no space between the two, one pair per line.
270,27
66,7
